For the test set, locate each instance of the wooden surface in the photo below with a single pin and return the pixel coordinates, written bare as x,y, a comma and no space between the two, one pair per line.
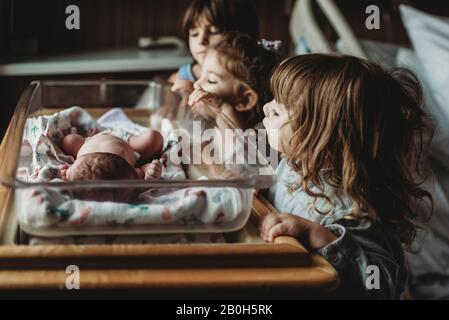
247,262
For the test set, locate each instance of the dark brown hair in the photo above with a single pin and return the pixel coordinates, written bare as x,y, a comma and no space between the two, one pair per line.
103,166
360,128
250,62
227,15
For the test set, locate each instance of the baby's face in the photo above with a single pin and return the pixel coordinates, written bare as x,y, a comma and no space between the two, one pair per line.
202,35
105,143
217,80
276,122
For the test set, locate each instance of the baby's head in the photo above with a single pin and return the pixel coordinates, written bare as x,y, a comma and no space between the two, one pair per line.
356,126
102,166
100,157
206,21
103,142
238,70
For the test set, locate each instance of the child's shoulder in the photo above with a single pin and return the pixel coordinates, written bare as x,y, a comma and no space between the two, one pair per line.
185,72
287,195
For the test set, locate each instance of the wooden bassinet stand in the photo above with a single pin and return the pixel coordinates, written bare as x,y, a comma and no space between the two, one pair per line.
245,266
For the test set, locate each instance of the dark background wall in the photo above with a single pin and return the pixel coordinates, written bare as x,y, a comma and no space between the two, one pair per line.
119,23
116,23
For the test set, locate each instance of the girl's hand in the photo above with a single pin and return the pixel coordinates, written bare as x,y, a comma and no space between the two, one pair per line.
311,234
201,96
182,86
153,170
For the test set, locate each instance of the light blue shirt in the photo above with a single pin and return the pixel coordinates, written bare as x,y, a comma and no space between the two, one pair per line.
287,199
185,72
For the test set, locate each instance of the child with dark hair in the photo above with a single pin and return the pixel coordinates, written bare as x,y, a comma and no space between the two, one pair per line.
205,23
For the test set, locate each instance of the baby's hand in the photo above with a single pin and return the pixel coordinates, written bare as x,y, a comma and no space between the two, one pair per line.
164,160
63,170
153,170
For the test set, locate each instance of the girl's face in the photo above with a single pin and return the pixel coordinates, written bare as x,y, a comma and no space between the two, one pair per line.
215,79
276,122
202,35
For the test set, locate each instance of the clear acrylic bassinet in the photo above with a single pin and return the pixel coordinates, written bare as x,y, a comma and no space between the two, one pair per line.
218,166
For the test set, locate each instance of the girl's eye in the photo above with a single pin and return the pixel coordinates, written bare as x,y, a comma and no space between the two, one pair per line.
211,81
193,32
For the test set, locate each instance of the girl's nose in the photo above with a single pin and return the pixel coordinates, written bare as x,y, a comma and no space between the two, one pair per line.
266,108
204,38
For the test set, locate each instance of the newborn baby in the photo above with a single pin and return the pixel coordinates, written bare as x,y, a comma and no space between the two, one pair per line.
103,156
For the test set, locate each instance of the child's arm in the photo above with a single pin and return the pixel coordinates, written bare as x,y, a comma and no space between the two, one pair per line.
356,252
173,77
184,87
313,235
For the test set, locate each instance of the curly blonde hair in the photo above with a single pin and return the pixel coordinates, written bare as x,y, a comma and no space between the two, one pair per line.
360,128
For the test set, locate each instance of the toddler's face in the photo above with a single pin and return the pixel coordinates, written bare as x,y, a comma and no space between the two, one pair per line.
276,122
202,35
105,143
217,80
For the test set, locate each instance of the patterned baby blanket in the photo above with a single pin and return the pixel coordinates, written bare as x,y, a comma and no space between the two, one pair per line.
49,207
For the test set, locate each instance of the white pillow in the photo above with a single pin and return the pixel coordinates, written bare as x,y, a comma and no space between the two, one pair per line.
406,58
430,39
380,52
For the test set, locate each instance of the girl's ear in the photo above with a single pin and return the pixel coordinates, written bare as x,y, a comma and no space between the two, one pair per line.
248,100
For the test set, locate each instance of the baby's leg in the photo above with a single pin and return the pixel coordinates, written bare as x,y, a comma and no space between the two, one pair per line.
148,144
72,143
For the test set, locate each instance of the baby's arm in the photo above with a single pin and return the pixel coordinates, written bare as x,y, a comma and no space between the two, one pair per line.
72,143
148,144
